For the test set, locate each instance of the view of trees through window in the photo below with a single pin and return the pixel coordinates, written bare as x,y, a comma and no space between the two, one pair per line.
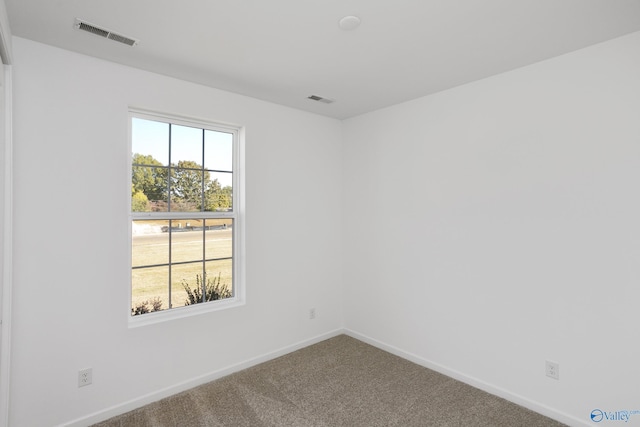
182,214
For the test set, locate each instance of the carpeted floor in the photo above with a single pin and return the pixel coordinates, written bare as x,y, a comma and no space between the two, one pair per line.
338,382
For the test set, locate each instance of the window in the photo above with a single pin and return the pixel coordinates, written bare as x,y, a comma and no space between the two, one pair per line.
184,213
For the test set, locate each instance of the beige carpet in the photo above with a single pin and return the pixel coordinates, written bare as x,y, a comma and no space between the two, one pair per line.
338,382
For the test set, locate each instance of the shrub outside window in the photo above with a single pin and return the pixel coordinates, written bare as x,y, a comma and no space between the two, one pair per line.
184,212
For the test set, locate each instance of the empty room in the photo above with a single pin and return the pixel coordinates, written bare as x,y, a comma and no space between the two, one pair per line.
320,213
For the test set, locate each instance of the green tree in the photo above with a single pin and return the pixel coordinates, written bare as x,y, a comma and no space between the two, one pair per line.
189,183
218,198
139,201
186,184
149,177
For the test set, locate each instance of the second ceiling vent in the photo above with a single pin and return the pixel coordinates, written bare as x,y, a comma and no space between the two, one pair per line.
102,32
320,99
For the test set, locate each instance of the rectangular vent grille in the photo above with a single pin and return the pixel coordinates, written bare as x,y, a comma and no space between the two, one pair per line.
320,99
90,28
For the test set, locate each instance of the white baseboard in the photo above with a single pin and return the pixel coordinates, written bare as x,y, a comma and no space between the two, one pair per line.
138,402
472,381
211,376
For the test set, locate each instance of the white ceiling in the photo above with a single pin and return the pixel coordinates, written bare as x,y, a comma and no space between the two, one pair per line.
285,50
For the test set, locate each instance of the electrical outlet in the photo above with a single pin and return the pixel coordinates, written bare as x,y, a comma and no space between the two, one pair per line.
553,370
312,313
85,377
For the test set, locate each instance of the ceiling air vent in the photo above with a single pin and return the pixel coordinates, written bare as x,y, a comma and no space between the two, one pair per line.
320,99
102,32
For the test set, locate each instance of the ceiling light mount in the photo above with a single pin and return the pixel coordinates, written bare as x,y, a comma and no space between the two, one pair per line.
349,23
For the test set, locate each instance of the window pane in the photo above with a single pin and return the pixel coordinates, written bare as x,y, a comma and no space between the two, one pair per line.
186,190
225,179
186,240
186,284
218,151
150,138
149,243
218,239
186,146
219,194
220,278
149,189
149,289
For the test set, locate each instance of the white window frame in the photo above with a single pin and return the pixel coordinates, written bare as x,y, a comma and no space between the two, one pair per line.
237,214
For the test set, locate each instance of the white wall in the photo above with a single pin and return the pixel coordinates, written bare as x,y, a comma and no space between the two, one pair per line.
496,225
7,239
485,229
71,270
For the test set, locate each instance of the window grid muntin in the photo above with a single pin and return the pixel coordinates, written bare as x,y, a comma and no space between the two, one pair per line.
202,214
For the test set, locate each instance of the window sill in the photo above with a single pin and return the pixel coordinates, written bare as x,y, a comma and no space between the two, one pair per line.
181,312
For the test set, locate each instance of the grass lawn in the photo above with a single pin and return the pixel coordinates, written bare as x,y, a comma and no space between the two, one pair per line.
188,247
